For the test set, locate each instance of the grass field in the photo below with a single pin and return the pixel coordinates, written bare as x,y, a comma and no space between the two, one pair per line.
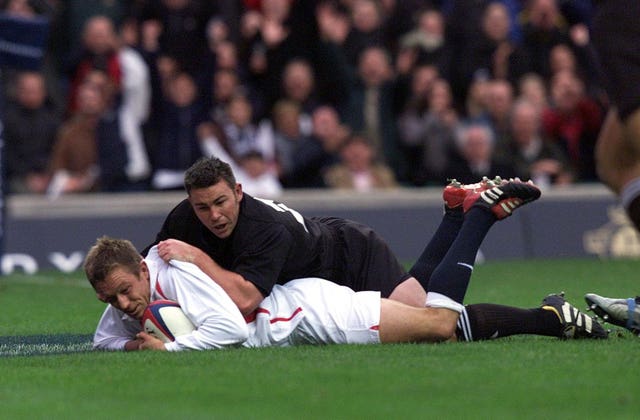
521,377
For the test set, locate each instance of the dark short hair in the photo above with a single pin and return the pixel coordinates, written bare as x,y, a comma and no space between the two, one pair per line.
108,254
208,171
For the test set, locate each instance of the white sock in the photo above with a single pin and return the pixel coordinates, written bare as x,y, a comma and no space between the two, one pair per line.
629,192
437,300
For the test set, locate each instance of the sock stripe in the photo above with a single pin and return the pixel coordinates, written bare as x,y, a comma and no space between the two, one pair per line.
464,325
469,266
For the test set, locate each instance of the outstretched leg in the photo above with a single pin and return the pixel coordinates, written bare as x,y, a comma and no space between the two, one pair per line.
449,281
453,196
554,318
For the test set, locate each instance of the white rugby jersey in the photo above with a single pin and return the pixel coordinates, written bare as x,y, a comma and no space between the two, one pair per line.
303,311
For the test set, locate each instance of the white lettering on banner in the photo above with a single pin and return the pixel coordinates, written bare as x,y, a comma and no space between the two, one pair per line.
29,265
67,264
12,261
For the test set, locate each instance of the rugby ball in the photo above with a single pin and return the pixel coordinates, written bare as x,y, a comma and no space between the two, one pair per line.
165,320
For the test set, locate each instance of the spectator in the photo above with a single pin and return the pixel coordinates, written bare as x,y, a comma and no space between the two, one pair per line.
476,143
257,177
30,125
492,51
133,107
543,27
573,122
358,168
563,57
284,30
74,161
430,133
533,88
320,151
99,52
428,43
366,29
252,170
287,136
476,103
533,156
226,85
177,28
298,85
242,134
179,145
500,99
371,107
162,70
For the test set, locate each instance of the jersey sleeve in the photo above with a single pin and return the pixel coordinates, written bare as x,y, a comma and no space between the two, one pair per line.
218,320
114,330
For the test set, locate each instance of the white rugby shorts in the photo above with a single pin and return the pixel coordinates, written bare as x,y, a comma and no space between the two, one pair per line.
315,311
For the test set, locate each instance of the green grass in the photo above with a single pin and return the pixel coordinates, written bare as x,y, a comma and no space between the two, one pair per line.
521,377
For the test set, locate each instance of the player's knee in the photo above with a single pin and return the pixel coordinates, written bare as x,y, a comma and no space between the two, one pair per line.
445,324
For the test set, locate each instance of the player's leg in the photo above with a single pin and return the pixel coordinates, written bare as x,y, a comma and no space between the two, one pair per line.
412,290
618,160
334,314
453,195
554,318
409,292
616,35
450,279
400,323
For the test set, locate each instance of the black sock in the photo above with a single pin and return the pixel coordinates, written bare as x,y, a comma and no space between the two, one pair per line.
485,321
451,276
438,246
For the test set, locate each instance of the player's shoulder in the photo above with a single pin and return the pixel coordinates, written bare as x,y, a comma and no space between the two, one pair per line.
181,215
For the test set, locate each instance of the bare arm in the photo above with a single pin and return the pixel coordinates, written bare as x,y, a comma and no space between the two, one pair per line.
243,293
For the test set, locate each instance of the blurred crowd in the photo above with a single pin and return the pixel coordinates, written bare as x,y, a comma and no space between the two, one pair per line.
347,94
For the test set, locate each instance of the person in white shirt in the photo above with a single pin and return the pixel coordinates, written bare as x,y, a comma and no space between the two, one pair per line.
302,311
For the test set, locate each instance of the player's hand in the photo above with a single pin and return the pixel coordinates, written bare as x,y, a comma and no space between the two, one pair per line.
132,345
149,342
173,249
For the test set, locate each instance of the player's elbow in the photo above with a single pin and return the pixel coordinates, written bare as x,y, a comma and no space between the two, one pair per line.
248,305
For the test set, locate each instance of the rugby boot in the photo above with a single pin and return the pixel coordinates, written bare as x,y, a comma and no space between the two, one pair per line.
575,324
621,312
455,192
503,199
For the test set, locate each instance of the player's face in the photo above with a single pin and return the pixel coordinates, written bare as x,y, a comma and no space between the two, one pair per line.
217,207
126,291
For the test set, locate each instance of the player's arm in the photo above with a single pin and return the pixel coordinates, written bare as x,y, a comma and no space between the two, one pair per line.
243,293
217,319
115,332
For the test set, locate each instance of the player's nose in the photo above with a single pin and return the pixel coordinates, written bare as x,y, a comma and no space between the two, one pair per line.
123,302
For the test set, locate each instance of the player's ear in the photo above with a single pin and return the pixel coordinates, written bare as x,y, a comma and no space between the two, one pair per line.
238,191
144,270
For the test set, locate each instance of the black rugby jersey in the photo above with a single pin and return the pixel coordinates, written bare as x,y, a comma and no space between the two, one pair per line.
271,244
